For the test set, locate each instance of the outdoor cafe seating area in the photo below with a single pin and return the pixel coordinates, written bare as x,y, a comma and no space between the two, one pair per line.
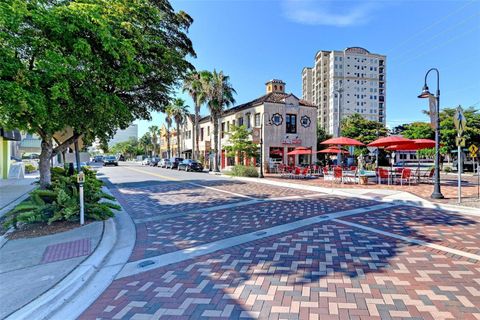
358,174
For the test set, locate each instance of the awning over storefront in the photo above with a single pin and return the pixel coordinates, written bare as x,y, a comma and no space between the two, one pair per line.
13,135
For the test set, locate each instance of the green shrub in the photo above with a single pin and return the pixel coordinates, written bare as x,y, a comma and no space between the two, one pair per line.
448,169
29,168
61,201
244,171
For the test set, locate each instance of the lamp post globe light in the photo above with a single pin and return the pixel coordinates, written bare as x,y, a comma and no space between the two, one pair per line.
437,194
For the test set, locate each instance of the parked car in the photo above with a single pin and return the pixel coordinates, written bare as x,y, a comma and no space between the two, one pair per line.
146,161
164,163
110,161
154,162
98,159
190,165
174,163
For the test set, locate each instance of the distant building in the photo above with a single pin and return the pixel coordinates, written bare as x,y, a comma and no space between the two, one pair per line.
124,135
353,79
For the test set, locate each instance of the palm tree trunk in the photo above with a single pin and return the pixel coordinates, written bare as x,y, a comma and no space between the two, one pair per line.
215,141
178,139
168,143
197,132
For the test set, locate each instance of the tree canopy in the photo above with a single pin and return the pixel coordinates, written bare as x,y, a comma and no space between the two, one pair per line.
91,65
357,127
240,143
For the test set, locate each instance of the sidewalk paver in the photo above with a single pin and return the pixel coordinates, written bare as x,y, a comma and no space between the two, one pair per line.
321,271
30,267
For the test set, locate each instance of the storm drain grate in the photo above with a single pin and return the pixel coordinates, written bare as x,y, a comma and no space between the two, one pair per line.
67,250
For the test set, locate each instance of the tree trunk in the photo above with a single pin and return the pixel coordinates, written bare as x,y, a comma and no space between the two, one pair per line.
178,139
44,165
215,147
196,147
168,143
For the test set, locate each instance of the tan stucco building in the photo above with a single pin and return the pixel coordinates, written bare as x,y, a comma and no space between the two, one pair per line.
288,122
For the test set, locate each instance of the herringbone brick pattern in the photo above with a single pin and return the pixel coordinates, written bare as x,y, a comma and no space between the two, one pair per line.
172,198
433,225
256,190
178,233
323,271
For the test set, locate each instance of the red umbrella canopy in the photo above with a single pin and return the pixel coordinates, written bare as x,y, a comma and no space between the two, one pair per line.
300,151
343,141
333,150
417,144
389,141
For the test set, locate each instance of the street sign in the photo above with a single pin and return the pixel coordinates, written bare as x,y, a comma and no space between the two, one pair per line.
460,141
473,150
460,121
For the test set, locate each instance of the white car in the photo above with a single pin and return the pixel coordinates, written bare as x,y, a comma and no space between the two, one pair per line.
146,161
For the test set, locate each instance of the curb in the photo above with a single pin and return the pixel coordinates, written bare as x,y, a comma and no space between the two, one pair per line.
49,304
104,273
14,203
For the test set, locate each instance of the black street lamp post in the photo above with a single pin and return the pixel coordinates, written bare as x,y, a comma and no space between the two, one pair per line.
437,194
262,120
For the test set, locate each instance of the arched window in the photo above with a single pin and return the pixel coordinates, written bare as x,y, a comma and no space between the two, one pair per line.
281,88
275,87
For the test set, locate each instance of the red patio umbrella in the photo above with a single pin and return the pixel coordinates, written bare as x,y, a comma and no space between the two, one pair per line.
334,150
416,144
342,141
300,151
389,141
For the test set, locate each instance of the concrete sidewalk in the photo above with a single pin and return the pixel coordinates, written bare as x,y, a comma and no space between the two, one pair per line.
14,191
30,267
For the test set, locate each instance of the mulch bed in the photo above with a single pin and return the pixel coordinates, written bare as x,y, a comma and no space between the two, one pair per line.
42,229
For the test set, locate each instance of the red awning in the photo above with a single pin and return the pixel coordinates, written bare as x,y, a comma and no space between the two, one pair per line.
389,141
343,141
300,151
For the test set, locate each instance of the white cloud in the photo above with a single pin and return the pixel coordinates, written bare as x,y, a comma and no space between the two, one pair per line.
330,13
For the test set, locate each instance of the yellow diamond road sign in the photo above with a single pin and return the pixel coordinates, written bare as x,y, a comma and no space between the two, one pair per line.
473,150
460,141
460,121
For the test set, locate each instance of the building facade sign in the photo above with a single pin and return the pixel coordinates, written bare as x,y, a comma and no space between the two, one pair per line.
291,139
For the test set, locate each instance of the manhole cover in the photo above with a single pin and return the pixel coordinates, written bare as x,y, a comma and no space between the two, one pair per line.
146,263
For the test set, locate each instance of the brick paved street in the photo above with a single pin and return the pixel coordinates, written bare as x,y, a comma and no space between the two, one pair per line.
349,265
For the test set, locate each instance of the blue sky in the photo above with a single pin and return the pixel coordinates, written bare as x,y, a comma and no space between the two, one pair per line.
254,41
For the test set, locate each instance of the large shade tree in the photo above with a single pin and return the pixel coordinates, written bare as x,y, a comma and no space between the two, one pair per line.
219,94
90,65
193,85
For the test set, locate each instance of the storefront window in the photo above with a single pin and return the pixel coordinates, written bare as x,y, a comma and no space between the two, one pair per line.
276,154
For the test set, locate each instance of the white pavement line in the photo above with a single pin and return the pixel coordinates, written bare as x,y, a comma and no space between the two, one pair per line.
134,267
411,240
192,183
199,211
220,190
226,206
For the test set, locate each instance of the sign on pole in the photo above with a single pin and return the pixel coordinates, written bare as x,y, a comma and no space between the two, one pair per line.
460,121
460,141
473,150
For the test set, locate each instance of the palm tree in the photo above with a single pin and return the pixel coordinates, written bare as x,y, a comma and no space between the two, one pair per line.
153,133
168,120
193,85
218,94
145,142
179,112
